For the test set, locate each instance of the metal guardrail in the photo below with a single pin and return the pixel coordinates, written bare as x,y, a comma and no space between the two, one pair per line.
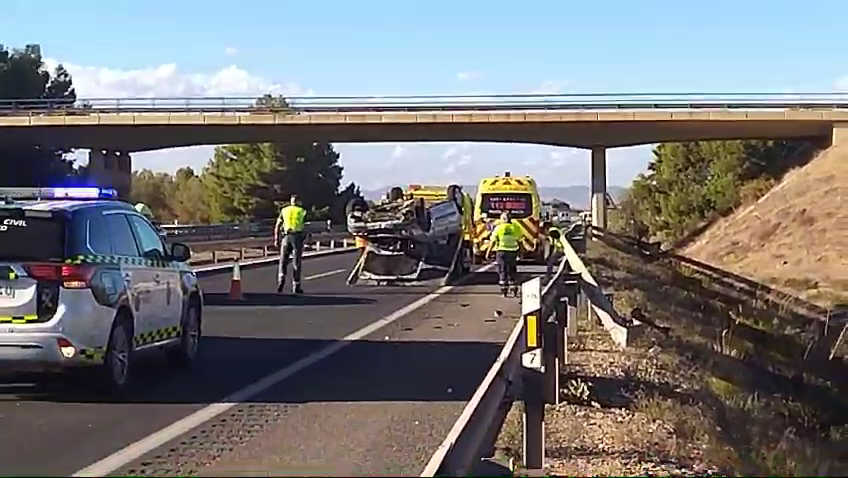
528,368
193,233
352,104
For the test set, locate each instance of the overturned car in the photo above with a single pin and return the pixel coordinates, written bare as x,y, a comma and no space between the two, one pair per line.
412,235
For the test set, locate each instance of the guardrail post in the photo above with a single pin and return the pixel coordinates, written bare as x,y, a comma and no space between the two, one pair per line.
332,243
344,243
532,361
241,254
214,257
317,245
575,296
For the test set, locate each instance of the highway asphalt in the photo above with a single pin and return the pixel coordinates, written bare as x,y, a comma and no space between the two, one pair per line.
58,432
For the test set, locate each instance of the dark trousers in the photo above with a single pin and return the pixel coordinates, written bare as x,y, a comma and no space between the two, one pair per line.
291,247
507,267
554,257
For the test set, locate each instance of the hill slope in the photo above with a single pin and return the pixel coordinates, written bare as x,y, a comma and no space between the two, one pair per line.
795,237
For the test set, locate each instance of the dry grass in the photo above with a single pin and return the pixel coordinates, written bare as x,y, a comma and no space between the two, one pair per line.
795,237
738,386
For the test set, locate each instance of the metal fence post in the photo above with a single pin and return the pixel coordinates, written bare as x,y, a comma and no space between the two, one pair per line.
575,295
551,361
532,376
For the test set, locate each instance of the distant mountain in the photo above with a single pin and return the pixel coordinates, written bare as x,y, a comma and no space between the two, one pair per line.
577,196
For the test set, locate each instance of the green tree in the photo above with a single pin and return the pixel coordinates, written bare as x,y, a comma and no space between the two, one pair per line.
251,181
155,190
189,199
337,211
23,77
691,184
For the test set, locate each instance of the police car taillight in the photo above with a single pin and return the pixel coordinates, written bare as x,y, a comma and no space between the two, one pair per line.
72,276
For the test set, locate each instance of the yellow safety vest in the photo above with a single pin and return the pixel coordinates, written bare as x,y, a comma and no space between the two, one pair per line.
558,244
293,218
506,236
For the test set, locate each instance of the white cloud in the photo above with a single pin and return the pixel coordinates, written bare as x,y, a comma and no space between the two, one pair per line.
468,75
168,80
464,160
842,84
454,150
398,152
230,51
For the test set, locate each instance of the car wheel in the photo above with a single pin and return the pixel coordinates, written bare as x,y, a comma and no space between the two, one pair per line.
185,352
117,363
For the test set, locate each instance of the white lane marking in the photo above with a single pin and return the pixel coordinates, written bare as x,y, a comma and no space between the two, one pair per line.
136,450
325,274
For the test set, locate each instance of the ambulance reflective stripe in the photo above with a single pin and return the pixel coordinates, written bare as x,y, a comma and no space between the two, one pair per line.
510,182
530,229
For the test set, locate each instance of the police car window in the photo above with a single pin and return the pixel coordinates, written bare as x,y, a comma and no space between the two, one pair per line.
87,233
120,234
97,236
147,237
24,237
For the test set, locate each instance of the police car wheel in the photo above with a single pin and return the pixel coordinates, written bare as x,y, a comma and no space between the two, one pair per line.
118,359
185,352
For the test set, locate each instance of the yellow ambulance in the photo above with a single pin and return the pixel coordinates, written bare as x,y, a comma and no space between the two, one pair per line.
519,196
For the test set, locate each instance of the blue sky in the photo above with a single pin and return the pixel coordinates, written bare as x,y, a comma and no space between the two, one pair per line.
377,47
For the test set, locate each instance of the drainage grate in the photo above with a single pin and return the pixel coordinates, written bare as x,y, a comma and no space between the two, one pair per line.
205,445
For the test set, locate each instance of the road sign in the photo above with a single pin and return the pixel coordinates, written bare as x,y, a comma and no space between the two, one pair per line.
531,295
533,360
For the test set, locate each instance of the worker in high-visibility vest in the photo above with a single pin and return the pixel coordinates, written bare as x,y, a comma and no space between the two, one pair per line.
555,252
504,241
144,210
289,225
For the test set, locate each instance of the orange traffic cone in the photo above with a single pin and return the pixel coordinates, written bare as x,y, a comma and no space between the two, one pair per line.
235,283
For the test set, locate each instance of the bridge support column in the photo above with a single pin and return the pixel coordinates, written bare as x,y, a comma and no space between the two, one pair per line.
599,186
840,134
112,169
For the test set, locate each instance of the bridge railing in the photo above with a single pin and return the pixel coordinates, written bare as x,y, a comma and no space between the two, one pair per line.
313,104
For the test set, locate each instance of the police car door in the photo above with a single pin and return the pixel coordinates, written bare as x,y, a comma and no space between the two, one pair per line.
168,300
138,279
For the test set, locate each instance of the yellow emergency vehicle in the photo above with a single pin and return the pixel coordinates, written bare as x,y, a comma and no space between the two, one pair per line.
519,196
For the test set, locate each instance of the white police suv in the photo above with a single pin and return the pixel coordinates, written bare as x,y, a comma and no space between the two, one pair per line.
86,281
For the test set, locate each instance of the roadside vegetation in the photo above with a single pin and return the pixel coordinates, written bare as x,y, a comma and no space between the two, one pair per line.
725,381
732,371
239,181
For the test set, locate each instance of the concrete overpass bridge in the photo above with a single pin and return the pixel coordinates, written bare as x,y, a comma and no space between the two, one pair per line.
111,128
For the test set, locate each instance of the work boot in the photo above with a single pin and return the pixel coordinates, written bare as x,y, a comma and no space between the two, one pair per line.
297,289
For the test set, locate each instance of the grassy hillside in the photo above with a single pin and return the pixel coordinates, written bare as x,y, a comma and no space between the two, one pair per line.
795,237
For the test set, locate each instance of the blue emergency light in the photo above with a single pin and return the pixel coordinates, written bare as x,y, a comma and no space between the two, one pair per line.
59,193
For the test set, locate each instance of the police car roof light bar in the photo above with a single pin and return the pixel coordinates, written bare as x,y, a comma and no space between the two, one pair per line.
59,193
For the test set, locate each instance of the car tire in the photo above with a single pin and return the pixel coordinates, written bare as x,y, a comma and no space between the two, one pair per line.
184,353
117,366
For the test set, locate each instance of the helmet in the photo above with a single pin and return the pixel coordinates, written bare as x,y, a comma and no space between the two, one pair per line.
143,209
